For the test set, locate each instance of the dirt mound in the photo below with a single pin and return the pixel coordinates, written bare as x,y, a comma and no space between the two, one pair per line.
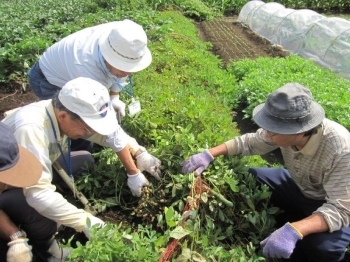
233,41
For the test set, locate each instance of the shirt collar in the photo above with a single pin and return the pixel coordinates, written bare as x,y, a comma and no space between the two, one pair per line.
312,145
51,112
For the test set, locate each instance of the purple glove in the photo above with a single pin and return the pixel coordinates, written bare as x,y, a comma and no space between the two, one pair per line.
198,162
281,243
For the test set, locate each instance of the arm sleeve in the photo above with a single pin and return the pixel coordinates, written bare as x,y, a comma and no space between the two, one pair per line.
117,141
115,88
249,144
336,210
42,196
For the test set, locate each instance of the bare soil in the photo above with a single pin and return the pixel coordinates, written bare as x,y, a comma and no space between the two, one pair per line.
233,41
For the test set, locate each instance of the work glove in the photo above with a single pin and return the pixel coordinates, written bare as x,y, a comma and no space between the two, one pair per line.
19,251
198,162
118,105
94,221
281,243
136,182
146,162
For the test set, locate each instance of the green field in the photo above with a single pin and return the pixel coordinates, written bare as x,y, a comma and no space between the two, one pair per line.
187,98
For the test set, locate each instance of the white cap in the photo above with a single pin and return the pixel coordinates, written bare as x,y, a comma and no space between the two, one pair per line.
90,100
125,47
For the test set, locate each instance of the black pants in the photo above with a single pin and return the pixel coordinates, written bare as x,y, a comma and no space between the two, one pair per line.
39,229
319,247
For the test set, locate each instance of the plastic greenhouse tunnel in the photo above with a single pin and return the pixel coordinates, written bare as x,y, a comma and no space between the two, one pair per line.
325,40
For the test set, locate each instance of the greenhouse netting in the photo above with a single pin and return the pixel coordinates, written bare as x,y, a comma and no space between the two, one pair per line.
326,40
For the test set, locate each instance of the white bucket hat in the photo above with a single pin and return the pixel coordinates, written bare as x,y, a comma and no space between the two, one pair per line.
90,100
125,47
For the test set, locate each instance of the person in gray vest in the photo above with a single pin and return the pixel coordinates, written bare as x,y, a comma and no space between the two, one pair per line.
312,188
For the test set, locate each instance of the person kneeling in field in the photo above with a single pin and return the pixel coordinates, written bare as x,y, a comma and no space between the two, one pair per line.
108,53
81,109
312,189
21,226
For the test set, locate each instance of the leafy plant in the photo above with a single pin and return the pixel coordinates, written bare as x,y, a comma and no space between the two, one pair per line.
117,243
187,101
258,78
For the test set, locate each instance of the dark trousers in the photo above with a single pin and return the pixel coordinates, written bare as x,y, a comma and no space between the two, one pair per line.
318,247
39,229
39,84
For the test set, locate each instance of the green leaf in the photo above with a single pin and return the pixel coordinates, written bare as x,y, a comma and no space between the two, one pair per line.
185,255
273,210
169,216
142,253
232,183
250,204
264,195
179,232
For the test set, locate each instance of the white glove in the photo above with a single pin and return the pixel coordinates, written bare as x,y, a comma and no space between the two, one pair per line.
19,251
146,162
118,105
136,182
93,221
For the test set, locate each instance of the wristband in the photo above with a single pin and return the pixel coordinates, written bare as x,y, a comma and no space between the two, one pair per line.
296,230
140,151
18,234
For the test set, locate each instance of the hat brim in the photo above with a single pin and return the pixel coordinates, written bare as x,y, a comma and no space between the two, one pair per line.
122,65
103,125
26,172
288,126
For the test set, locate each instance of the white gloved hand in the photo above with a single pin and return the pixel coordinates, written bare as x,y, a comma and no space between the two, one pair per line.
118,105
19,251
146,162
94,221
136,182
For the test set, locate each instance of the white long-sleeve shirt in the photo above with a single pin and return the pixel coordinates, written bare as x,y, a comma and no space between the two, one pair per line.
76,55
321,169
32,128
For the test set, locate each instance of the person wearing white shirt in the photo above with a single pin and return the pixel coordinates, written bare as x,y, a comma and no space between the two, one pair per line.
108,53
81,109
